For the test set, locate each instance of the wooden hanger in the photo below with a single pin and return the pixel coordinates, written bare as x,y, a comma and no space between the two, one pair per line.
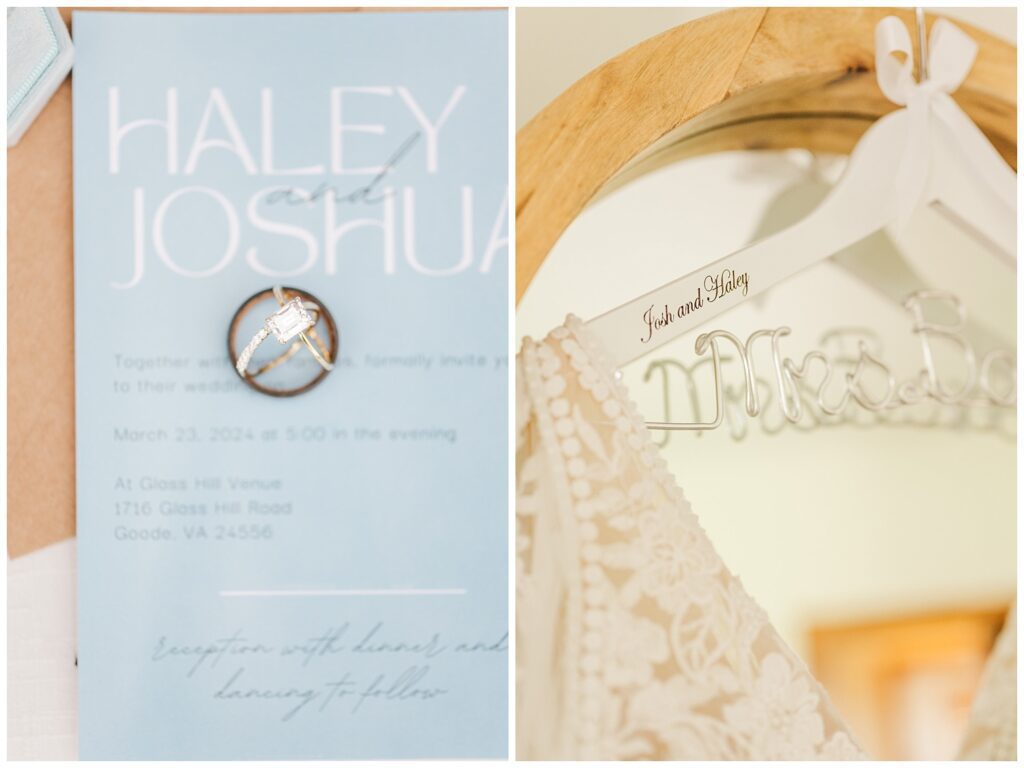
742,79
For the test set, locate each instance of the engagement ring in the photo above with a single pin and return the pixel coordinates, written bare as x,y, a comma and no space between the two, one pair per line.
293,319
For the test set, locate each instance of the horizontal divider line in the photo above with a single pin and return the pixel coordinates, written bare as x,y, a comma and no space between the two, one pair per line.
340,592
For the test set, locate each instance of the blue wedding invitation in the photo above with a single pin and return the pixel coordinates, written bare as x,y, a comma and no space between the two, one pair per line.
320,576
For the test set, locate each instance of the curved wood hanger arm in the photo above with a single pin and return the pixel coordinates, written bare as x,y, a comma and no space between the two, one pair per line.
741,79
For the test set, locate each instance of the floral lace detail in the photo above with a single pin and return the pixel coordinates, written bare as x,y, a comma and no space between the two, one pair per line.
992,730
634,640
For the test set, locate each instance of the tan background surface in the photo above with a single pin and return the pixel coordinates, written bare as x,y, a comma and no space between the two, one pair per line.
41,363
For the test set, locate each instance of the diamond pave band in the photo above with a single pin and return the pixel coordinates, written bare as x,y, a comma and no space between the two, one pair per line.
291,320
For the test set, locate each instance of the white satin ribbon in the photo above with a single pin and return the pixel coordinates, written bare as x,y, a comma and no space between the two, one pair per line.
951,55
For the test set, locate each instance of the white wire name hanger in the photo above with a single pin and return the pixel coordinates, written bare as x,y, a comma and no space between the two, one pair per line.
979,386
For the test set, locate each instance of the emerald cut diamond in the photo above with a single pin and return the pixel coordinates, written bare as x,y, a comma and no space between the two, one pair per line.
289,321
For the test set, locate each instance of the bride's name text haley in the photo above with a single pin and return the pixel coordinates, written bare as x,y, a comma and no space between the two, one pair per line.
714,288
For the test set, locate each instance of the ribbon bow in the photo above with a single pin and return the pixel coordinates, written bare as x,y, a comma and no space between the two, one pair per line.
951,56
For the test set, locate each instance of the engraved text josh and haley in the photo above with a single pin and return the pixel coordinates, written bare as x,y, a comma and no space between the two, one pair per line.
714,287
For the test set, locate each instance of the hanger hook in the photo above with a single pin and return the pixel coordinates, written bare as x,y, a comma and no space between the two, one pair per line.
922,42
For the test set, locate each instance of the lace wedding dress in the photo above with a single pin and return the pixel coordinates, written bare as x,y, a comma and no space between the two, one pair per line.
634,640
992,730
